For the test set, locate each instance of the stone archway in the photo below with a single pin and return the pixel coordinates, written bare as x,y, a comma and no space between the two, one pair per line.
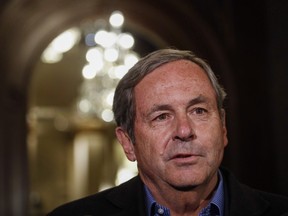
25,30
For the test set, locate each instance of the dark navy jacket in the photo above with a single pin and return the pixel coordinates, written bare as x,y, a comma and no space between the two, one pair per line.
128,200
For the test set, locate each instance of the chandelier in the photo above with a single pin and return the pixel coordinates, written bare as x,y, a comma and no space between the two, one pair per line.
108,60
109,56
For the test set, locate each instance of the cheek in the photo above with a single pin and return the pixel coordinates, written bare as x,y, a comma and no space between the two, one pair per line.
216,150
213,138
150,143
144,143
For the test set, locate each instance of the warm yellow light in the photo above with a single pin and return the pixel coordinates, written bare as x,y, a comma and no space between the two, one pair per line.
105,39
120,71
130,59
66,40
109,98
108,61
84,106
89,71
107,115
94,54
62,43
116,19
51,56
126,41
111,54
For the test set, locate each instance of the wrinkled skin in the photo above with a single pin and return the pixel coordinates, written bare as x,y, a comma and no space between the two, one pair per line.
180,134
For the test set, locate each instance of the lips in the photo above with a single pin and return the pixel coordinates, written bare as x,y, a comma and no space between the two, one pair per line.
182,156
185,159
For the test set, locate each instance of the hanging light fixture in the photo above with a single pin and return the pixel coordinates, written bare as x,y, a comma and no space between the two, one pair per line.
107,62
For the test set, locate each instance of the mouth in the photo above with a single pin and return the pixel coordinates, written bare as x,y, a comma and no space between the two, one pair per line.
182,156
185,158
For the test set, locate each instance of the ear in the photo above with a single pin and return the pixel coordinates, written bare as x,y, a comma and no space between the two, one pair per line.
126,143
223,118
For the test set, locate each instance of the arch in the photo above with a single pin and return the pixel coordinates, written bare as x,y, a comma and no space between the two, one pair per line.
27,27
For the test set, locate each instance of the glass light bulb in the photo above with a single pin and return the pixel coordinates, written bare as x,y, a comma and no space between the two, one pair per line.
116,19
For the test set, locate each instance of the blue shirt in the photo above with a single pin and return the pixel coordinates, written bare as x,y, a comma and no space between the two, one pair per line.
214,208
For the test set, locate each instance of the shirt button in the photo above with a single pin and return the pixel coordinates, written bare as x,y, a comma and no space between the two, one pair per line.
160,211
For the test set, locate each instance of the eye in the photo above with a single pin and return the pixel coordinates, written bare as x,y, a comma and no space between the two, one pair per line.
199,111
162,117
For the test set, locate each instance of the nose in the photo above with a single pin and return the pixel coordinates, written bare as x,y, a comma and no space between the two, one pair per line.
184,129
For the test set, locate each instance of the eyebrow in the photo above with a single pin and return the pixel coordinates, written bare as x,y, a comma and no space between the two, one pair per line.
198,100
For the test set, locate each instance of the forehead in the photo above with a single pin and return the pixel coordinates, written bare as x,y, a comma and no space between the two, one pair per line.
179,70
172,79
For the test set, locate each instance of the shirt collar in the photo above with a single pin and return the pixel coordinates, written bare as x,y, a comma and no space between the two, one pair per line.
217,199
150,201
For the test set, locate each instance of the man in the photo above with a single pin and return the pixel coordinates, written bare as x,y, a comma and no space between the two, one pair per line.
169,115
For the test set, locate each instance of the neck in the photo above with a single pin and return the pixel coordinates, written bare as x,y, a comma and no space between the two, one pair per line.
188,201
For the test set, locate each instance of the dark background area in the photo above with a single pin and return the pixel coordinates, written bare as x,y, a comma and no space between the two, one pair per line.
246,42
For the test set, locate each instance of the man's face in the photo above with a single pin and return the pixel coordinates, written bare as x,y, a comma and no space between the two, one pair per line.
179,134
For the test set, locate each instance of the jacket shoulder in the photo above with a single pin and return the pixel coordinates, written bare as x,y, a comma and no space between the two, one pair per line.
275,200
107,202
244,200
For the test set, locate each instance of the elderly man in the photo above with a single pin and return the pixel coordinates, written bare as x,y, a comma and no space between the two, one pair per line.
170,119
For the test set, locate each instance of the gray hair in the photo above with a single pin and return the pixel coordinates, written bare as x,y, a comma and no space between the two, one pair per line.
124,101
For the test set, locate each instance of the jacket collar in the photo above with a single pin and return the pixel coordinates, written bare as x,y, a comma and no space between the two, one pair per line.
240,199
129,197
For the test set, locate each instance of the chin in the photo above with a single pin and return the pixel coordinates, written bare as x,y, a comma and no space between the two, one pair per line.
187,181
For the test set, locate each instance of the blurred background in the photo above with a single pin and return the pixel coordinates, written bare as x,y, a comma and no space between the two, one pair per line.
60,61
